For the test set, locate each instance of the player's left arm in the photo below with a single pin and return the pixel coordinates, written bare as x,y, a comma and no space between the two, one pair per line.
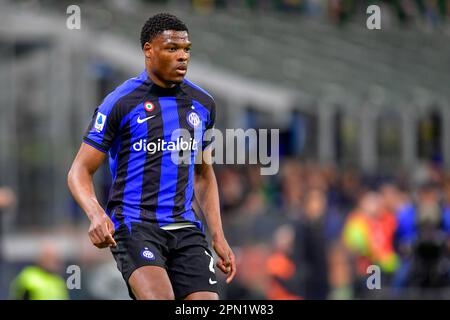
207,195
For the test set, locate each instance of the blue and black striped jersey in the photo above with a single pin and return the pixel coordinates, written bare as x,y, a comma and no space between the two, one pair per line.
142,127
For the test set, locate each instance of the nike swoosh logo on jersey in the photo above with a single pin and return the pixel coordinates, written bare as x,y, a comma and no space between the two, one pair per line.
212,281
139,120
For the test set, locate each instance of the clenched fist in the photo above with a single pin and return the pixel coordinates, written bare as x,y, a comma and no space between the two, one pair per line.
101,231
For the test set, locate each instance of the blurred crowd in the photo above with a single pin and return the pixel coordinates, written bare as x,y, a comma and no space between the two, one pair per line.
312,232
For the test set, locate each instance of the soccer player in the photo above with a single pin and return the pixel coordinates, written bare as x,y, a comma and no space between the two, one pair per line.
149,223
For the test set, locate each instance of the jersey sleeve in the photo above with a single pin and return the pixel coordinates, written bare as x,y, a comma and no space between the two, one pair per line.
208,135
104,126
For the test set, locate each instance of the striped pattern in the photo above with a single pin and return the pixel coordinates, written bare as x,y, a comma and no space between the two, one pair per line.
150,187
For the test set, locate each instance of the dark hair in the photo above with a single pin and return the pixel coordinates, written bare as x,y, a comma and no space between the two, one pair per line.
159,23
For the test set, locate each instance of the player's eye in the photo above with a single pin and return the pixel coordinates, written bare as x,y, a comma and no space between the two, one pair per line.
187,50
172,49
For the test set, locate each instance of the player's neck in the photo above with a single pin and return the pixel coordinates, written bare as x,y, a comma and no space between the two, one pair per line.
159,82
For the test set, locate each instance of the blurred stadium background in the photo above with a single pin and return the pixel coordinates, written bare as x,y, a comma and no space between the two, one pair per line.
364,119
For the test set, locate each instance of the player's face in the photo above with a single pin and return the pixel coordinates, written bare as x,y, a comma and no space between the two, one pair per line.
168,56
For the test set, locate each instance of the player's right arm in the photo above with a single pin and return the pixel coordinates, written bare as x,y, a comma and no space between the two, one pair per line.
80,181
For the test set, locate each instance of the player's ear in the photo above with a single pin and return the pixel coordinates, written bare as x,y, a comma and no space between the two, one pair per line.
148,50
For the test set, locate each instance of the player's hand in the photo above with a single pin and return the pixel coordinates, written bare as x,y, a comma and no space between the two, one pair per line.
226,262
101,231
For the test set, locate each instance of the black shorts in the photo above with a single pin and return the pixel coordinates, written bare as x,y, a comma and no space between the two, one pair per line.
182,252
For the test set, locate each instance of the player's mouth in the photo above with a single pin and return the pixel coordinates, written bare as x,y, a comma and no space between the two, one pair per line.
182,69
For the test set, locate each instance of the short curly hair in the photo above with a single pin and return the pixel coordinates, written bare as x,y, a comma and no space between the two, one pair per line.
159,23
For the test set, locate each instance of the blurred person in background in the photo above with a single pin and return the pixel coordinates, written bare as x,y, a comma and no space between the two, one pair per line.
384,228
340,273
282,270
368,234
422,240
41,281
292,187
261,184
349,191
232,191
255,219
393,199
314,230
252,280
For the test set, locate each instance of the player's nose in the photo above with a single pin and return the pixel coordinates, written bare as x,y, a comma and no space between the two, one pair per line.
183,56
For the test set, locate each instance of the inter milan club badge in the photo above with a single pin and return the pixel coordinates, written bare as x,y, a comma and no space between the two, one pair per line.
147,254
149,106
193,119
